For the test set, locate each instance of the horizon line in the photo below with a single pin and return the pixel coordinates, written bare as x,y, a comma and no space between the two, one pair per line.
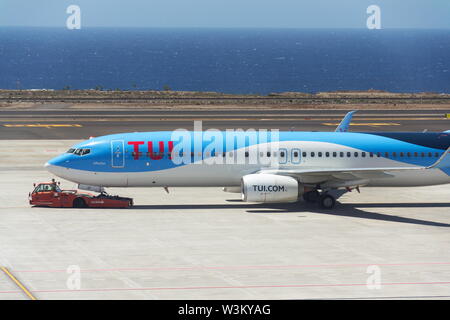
222,27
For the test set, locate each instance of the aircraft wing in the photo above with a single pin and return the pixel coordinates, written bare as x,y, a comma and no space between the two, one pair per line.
351,177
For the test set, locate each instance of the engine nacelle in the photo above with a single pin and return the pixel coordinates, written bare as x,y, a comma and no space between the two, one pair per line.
270,188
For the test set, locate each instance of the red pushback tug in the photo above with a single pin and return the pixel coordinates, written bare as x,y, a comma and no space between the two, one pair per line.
49,194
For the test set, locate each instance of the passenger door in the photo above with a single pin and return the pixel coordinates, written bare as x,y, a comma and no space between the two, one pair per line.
117,154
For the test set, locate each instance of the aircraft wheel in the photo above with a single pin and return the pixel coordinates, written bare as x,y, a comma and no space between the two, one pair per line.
311,196
327,201
79,203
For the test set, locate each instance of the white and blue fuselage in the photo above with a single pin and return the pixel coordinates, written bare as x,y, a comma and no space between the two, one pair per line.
152,159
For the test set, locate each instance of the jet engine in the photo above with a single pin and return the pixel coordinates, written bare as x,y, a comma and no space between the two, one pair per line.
270,188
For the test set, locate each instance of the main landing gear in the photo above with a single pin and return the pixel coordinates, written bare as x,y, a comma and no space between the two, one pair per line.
324,199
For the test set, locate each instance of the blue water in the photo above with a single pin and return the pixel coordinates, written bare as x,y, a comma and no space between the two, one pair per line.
231,61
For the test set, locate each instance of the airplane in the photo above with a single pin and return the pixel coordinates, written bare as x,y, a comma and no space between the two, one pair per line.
317,166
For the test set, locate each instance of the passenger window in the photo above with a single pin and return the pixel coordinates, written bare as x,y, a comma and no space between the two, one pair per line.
246,154
304,154
349,154
430,154
408,154
334,154
378,154
327,154
386,154
295,154
268,154
341,154
371,154
422,154
363,154
282,154
312,154
356,154
436,154
402,154
320,154
416,154
394,154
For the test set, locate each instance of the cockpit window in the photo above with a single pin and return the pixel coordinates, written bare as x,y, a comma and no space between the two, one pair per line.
81,151
71,150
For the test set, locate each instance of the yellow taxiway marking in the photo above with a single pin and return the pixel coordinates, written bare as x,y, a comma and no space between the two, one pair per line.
366,124
48,126
17,282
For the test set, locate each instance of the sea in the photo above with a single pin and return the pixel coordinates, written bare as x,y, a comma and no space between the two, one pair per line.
240,61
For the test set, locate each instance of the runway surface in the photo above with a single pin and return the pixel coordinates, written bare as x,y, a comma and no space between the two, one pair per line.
61,122
202,243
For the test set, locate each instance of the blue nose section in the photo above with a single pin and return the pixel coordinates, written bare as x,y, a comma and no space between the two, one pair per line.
60,161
